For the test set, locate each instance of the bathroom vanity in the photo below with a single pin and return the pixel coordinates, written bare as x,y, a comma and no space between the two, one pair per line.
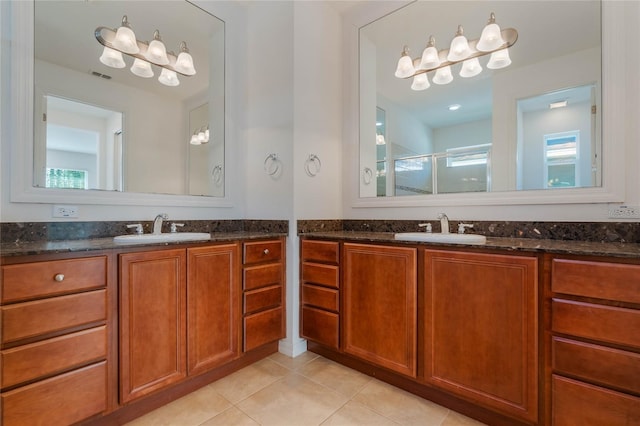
512,332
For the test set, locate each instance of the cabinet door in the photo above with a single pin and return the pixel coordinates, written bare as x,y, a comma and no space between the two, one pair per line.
152,321
480,329
380,309
213,306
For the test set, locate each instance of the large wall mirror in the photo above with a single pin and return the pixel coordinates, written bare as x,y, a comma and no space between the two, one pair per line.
533,125
100,127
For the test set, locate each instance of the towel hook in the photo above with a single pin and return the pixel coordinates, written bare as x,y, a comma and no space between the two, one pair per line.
272,164
367,175
312,160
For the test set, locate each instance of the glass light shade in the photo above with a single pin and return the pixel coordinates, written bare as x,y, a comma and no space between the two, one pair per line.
201,136
142,68
125,39
470,68
157,52
420,82
380,140
459,48
206,135
491,39
184,62
168,78
430,58
499,59
405,65
194,140
112,58
443,76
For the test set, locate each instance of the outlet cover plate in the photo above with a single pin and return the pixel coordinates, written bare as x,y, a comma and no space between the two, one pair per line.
65,211
624,212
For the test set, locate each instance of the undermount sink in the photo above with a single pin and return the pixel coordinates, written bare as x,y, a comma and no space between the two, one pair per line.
430,237
162,238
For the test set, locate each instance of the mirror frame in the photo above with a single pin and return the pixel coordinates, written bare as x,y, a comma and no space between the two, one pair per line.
613,124
22,134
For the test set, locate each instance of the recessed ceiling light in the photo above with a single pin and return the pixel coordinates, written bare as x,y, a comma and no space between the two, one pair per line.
559,104
454,107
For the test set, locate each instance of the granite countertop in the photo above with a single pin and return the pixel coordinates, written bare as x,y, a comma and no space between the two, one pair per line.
626,250
86,245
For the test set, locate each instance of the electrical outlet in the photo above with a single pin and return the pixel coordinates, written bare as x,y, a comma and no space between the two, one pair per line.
65,211
624,212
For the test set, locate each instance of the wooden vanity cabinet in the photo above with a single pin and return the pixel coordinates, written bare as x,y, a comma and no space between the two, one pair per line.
263,293
55,357
481,329
380,305
595,342
319,292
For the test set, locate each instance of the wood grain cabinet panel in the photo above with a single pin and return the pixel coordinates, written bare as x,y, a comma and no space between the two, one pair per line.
262,298
263,275
379,316
263,251
326,275
320,297
320,251
262,328
481,328
320,326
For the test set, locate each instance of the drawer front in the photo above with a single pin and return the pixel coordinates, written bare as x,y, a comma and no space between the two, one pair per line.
29,319
320,297
263,298
64,399
576,403
604,323
262,251
320,251
612,281
607,366
320,326
320,274
263,327
48,357
40,279
261,276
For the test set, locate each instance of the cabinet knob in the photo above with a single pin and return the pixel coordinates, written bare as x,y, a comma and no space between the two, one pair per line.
265,251
59,277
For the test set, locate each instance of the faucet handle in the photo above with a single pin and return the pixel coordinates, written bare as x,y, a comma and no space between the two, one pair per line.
463,226
425,225
137,226
174,227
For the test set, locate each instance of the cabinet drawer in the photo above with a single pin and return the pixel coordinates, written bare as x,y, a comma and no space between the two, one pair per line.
29,362
577,403
64,399
35,280
261,276
320,251
320,297
320,274
320,326
28,319
263,327
607,366
612,281
262,251
605,323
263,298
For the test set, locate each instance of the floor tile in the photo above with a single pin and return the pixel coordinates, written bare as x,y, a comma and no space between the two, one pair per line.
356,414
293,400
293,363
231,417
457,419
334,376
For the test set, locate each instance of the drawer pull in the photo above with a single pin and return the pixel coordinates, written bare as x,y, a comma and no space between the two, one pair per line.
265,251
59,277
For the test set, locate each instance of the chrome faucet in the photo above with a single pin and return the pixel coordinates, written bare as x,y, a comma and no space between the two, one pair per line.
157,223
444,223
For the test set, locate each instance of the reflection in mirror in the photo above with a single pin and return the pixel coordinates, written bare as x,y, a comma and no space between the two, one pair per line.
205,168
476,134
143,147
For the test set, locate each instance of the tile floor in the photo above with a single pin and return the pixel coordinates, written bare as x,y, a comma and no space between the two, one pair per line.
308,390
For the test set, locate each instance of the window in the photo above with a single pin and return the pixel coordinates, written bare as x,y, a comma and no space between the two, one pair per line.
561,159
468,155
67,178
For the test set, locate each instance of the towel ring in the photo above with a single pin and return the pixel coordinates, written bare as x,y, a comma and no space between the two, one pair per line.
216,174
367,175
314,161
272,164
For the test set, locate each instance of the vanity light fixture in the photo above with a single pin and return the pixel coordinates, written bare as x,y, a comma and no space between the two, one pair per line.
200,136
123,41
492,41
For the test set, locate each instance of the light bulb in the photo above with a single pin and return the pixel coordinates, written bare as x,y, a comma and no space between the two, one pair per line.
405,65
194,140
499,59
142,68
201,136
491,39
459,48
157,52
443,76
470,68
420,82
112,58
430,58
184,63
125,39
168,78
